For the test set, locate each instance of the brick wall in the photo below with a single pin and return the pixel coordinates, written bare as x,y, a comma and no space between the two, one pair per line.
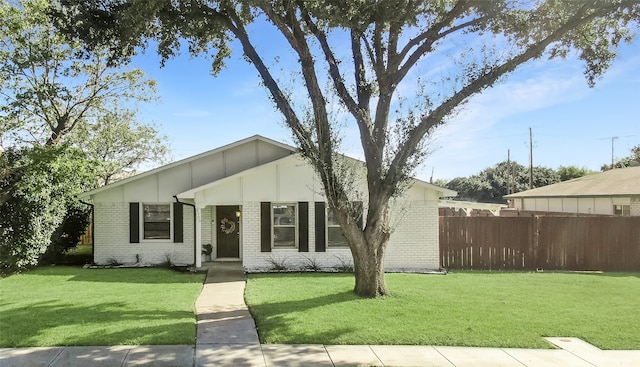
414,242
111,231
413,245
635,207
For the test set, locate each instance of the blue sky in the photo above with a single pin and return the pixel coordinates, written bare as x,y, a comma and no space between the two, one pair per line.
572,124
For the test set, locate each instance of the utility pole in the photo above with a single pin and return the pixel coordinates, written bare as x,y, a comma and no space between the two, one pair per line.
613,138
530,159
510,173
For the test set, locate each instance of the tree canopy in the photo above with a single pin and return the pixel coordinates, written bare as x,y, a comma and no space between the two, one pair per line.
492,183
66,118
53,92
365,55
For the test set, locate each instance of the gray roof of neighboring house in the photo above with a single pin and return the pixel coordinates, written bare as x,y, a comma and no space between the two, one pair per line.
616,182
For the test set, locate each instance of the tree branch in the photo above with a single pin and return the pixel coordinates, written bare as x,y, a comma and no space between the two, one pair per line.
291,119
437,116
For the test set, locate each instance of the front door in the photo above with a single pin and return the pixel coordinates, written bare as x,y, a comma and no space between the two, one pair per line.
228,231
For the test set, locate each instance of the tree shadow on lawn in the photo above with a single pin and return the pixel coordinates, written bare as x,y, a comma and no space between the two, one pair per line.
120,275
28,326
272,319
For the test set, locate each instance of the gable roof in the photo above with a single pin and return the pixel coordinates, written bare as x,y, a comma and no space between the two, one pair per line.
187,160
616,182
444,192
189,194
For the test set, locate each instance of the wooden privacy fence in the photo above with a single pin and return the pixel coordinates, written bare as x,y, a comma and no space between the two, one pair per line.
87,236
550,243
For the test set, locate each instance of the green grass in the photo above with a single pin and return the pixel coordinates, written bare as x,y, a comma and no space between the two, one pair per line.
81,250
55,306
465,309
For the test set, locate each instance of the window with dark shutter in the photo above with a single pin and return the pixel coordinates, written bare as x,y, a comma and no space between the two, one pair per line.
321,239
156,221
303,227
265,227
134,222
178,232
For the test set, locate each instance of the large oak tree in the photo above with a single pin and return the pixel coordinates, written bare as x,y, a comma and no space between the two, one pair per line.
386,42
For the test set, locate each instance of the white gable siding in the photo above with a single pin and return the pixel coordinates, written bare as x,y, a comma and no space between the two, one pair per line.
207,170
162,185
290,179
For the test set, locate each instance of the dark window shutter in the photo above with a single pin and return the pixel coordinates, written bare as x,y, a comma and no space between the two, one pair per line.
178,232
303,227
134,222
265,227
321,234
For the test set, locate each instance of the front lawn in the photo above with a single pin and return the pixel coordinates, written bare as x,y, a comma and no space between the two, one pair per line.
74,306
488,309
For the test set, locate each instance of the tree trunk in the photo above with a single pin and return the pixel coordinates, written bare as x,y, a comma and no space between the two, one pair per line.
369,270
368,247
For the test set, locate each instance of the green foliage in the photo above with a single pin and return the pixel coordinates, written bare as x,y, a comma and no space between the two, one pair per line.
570,172
491,184
41,190
52,93
48,86
55,95
67,236
118,143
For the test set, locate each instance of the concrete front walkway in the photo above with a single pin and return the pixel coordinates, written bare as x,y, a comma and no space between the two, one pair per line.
227,337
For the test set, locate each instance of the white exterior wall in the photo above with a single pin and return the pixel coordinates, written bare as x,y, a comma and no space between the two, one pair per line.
413,245
111,224
591,205
111,234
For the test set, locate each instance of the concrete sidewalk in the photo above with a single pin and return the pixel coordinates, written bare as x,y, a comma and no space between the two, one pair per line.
579,354
227,337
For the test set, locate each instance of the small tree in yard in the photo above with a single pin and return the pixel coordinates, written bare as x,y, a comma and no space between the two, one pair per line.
39,201
366,52
52,93
56,99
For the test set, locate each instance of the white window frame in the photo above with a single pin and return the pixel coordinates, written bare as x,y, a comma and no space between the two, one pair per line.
274,225
142,222
327,225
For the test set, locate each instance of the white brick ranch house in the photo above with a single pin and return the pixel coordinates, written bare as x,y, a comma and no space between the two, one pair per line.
255,200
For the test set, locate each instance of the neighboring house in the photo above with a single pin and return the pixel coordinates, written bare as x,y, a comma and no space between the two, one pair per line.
614,192
255,200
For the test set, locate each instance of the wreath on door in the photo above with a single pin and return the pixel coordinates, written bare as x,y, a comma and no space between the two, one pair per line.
227,226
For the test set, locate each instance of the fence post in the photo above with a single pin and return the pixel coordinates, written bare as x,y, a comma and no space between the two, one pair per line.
536,241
